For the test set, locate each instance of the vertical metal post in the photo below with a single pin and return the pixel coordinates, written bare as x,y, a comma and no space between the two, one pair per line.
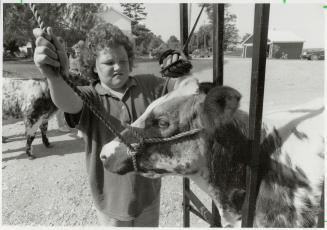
183,38
321,218
183,25
186,203
218,43
216,219
218,72
261,20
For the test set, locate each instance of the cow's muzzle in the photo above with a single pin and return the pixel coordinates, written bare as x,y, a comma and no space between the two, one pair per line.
115,158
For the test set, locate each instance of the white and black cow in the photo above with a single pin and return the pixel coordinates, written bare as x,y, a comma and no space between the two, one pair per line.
30,100
291,154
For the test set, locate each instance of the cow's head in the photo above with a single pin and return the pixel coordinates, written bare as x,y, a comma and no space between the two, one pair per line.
188,107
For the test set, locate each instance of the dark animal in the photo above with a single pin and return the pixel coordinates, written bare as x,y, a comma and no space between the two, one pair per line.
215,158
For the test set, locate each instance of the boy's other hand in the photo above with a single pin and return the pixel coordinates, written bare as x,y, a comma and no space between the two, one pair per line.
174,64
50,54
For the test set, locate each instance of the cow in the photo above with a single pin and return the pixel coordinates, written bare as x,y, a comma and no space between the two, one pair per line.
30,99
216,154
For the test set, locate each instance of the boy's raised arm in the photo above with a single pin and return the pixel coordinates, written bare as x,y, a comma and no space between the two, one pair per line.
49,57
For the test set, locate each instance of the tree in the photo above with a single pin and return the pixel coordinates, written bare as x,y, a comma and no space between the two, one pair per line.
82,17
230,31
135,11
159,50
204,36
155,42
78,19
18,22
70,21
143,38
173,42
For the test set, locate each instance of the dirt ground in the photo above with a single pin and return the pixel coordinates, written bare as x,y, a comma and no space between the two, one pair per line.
52,190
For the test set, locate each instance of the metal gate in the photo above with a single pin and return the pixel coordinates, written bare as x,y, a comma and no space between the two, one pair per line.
260,33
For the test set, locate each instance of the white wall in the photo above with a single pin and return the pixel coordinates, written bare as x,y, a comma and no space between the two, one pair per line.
118,20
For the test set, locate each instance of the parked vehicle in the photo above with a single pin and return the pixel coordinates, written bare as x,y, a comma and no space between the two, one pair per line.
313,55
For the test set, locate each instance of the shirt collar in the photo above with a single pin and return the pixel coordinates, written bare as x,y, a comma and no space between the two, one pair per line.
102,91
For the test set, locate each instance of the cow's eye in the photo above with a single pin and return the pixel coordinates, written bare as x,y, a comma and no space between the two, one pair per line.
163,123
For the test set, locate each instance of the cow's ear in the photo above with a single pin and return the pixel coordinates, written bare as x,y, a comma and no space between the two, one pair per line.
205,87
220,104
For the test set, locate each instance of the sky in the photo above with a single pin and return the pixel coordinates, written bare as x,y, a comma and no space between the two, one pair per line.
304,19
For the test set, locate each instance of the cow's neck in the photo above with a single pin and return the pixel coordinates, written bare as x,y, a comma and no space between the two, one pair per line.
229,218
228,157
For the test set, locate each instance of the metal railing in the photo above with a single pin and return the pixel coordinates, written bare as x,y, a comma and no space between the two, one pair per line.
260,34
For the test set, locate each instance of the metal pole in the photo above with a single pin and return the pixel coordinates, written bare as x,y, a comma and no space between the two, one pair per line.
186,203
189,37
261,21
183,26
218,72
218,43
203,211
183,38
321,218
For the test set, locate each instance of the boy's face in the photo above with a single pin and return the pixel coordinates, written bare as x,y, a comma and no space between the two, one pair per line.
112,66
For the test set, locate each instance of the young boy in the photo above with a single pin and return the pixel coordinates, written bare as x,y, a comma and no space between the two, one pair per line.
130,200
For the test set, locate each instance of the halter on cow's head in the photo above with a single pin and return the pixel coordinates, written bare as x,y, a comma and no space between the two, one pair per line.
185,109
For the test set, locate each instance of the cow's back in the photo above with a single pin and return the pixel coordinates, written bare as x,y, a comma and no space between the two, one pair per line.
293,188
302,135
19,96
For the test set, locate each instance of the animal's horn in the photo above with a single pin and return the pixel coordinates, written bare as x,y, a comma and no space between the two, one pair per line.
220,104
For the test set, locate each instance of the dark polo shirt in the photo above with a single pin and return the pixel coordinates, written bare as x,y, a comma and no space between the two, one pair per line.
121,197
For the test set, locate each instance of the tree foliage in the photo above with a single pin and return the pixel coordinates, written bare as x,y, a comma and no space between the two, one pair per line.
82,17
173,42
231,36
204,36
71,21
18,22
145,40
155,42
135,11
159,50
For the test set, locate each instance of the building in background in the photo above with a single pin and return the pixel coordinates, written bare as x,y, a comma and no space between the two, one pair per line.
120,20
281,45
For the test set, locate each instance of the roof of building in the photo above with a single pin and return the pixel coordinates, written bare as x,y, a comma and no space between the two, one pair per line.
280,36
118,12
